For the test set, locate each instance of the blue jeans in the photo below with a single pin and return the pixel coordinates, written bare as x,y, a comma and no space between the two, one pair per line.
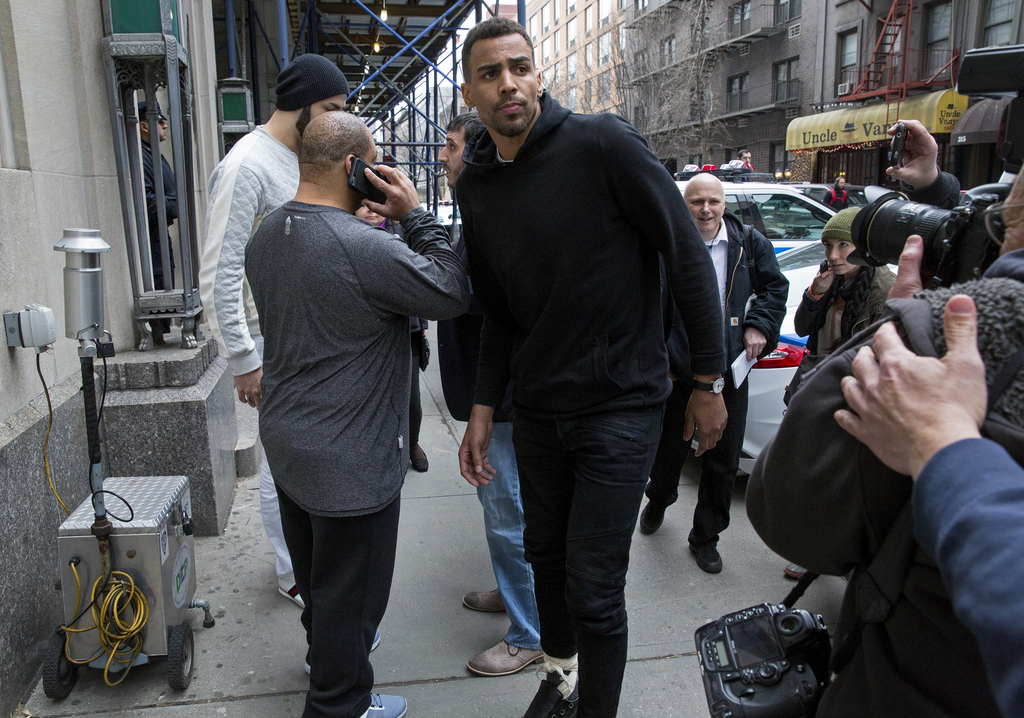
504,524
582,481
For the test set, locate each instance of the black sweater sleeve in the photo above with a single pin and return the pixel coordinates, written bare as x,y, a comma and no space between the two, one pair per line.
646,192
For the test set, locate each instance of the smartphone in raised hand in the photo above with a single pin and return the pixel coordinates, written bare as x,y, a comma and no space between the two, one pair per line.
358,181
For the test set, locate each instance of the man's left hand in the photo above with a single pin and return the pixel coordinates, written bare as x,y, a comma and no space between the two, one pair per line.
755,341
705,413
905,407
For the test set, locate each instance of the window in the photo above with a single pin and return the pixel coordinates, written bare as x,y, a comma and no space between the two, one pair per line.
570,34
570,68
786,86
588,20
555,76
570,99
546,51
545,14
738,92
937,37
558,42
570,7
533,28
587,95
604,12
789,217
604,87
846,47
587,55
555,3
622,7
781,160
786,10
668,50
604,49
739,19
622,41
998,22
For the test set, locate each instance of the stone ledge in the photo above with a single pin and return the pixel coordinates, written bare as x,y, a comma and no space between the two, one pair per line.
168,365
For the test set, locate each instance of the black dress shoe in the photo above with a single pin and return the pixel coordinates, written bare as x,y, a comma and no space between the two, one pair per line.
651,517
708,558
418,459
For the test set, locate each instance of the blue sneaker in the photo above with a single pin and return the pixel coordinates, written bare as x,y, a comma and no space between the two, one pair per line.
373,647
385,707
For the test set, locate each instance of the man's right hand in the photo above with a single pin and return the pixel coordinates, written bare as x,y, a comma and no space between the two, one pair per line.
473,453
920,151
248,388
401,193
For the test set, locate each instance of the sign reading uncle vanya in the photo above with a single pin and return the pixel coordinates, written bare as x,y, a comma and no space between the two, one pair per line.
937,111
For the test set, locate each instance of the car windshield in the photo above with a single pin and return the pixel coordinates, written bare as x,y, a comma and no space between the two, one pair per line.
801,257
790,217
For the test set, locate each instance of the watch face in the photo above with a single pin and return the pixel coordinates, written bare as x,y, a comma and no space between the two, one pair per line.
719,385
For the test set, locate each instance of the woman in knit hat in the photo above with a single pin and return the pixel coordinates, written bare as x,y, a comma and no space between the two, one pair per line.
845,297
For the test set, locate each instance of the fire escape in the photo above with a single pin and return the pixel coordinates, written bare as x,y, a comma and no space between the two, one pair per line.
894,69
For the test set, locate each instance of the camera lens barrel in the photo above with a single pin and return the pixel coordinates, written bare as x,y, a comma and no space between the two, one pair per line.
881,229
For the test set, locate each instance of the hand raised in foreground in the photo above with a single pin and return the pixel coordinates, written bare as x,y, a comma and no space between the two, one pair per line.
905,407
401,193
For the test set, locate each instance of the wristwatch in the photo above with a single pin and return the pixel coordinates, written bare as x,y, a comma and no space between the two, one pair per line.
715,387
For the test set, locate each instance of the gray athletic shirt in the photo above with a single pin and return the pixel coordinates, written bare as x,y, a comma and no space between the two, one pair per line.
334,296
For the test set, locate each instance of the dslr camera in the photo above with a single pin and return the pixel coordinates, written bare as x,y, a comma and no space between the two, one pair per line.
957,244
766,661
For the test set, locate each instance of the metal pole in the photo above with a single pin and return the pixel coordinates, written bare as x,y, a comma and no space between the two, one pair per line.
254,68
282,32
313,31
229,13
521,7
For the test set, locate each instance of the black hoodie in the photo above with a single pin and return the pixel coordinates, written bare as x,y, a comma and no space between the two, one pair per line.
563,250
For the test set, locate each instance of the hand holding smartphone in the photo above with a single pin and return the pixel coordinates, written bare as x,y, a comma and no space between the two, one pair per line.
897,145
358,181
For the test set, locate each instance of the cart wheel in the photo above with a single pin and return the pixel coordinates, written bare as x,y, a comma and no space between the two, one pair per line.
59,674
180,649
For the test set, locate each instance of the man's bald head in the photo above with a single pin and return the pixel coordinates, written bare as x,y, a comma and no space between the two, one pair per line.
328,140
705,198
704,181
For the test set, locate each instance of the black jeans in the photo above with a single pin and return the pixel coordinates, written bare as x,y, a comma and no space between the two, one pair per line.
718,469
581,482
343,568
415,409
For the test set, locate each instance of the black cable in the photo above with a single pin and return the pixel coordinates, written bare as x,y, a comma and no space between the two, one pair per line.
103,395
131,511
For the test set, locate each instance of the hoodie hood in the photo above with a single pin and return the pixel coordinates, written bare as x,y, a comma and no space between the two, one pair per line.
1009,265
480,151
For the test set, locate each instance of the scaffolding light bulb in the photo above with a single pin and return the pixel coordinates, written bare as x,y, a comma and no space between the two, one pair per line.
384,14
376,47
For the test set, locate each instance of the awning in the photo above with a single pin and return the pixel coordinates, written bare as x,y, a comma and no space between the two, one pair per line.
937,111
980,124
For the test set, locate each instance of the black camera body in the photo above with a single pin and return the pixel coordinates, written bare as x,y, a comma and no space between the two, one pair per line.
957,247
766,661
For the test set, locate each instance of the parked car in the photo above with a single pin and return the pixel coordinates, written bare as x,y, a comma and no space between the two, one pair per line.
781,213
819,192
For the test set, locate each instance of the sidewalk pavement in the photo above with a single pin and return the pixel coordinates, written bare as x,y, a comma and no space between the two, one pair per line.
251,663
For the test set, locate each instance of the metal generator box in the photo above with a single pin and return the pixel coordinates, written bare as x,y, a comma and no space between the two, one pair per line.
154,547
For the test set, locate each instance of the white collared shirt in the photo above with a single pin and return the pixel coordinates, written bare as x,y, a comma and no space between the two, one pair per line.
719,249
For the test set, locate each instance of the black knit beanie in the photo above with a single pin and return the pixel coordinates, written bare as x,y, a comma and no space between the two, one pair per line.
308,80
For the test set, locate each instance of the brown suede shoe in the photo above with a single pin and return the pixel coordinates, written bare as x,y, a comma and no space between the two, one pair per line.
503,660
486,601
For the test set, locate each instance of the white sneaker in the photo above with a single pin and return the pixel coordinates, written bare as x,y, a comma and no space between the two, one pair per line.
292,594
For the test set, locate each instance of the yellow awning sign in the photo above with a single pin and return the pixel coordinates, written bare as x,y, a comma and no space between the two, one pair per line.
937,111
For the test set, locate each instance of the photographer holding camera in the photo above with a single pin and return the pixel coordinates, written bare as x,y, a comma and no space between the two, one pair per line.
820,497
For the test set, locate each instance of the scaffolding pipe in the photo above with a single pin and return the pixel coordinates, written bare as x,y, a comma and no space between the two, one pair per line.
283,29
521,8
229,13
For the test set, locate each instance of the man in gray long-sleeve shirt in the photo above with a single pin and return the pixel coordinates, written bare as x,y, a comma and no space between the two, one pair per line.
333,295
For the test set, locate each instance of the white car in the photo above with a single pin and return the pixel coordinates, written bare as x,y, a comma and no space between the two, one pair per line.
782,214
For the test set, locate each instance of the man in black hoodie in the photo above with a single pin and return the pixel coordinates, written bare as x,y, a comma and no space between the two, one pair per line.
564,218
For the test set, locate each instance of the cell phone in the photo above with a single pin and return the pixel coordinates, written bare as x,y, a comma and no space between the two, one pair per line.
823,267
896,146
358,181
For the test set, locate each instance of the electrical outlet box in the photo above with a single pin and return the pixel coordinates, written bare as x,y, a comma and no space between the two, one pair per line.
34,326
